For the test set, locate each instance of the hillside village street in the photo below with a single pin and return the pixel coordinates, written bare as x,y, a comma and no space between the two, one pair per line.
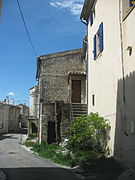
21,164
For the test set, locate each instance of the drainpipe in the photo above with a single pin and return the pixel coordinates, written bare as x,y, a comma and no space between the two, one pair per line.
86,23
123,70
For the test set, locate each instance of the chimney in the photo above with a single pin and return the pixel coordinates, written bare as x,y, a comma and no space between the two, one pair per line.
12,101
7,100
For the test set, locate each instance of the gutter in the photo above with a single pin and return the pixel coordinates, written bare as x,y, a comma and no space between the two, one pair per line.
86,10
84,22
123,70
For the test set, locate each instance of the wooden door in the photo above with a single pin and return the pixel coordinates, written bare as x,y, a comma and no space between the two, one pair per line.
76,91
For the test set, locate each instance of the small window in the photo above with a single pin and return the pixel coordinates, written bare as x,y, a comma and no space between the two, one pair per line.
93,100
91,18
98,41
129,48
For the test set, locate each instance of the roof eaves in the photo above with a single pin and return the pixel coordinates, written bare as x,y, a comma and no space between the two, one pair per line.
86,9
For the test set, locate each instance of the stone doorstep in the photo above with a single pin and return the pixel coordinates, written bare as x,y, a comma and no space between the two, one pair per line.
3,175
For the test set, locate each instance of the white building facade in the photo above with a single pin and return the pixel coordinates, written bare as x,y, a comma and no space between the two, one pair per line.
111,61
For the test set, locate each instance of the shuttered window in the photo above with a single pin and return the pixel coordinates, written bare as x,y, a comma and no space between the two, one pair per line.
91,18
101,37
95,48
98,41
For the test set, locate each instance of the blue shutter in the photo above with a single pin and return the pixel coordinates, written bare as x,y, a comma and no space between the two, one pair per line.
95,50
91,18
101,37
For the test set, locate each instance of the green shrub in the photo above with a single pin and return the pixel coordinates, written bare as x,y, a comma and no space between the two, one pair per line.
87,139
89,133
52,151
29,143
31,136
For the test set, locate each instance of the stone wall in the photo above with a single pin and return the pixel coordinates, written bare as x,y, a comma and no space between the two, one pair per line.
4,112
55,73
9,118
60,115
14,113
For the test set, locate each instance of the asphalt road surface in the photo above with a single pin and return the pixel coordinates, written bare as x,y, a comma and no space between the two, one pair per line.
20,164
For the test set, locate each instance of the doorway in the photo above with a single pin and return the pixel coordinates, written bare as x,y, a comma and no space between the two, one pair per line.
34,128
76,91
51,133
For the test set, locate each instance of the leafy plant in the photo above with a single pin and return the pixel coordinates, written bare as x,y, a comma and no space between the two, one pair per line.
89,133
87,139
31,136
52,151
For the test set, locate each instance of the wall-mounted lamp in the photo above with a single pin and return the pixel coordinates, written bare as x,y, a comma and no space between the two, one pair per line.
129,48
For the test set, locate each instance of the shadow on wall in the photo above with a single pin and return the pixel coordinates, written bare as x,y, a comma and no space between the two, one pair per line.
124,147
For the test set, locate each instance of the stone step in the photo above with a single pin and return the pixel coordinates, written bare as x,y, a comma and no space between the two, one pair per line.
76,105
79,109
76,115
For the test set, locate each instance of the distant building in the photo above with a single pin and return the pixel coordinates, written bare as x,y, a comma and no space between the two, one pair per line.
9,118
111,70
34,105
34,110
24,115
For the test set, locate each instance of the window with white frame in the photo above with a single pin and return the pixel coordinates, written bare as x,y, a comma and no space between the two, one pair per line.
98,41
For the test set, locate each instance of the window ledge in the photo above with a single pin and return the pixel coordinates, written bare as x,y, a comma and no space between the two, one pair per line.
98,56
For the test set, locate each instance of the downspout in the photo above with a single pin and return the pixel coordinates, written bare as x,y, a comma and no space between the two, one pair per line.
40,103
87,73
86,23
123,70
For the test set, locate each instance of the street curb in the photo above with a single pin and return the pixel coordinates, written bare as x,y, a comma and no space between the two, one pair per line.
3,175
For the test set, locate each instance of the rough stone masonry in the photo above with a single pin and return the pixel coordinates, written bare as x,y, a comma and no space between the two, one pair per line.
54,75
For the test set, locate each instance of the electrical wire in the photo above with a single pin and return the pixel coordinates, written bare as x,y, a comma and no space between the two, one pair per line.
0,6
28,34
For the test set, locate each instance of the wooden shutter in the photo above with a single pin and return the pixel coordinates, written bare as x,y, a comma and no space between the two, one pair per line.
95,50
101,37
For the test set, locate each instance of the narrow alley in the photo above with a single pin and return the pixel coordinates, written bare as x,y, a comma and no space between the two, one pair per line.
20,164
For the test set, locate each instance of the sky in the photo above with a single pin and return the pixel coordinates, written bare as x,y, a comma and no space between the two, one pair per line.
53,25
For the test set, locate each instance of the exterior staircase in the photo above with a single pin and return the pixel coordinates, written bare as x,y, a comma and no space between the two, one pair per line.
79,109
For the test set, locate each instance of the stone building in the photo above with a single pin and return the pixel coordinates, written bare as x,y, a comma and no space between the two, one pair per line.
24,115
62,92
9,118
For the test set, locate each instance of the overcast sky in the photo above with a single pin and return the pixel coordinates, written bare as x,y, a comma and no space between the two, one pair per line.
53,25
